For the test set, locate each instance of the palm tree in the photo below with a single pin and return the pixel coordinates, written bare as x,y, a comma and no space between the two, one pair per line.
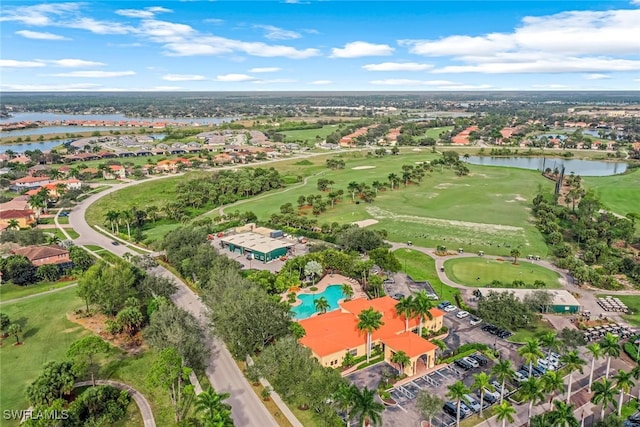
393,179
366,409
531,391
127,217
53,240
422,308
624,384
503,371
347,291
550,341
213,410
369,320
481,382
15,330
552,382
515,253
562,415
573,363
112,216
401,359
603,394
404,308
456,392
352,187
505,412
596,353
152,212
530,352
611,348
13,224
322,305
345,398
635,373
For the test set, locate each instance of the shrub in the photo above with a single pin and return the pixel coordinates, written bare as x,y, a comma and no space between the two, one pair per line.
313,288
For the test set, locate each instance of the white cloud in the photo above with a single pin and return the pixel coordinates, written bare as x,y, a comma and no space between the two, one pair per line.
546,64
75,63
163,31
147,12
235,78
397,66
38,15
95,74
98,27
193,49
265,70
12,63
214,45
182,77
214,21
359,49
597,76
50,87
37,35
276,33
321,82
274,81
158,9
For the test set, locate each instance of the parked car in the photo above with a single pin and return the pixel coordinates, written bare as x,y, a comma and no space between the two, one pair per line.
520,376
443,304
480,359
114,243
451,408
450,308
463,364
489,397
462,314
546,365
471,362
497,384
472,403
475,320
398,296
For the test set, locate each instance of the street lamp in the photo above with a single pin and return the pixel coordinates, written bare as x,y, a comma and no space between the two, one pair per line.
637,342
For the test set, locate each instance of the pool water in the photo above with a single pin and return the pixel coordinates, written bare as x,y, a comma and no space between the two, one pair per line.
333,294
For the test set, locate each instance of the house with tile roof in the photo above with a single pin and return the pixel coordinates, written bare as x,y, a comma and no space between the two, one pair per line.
28,183
25,217
114,172
41,255
332,335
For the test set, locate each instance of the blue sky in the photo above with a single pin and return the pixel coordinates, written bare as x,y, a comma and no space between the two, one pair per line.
319,45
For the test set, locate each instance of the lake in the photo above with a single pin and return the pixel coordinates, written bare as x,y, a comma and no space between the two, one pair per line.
48,145
578,167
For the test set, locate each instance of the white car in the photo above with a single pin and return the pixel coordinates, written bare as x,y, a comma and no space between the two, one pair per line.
450,308
475,320
471,362
462,314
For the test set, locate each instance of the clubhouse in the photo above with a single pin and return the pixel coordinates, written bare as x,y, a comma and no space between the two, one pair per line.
332,335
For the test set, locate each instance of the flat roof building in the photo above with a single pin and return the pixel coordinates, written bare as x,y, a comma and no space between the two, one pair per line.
262,248
562,300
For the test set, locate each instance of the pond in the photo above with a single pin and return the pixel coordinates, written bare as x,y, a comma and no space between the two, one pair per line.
578,167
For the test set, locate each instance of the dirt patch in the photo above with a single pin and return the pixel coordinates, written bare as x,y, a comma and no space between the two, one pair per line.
365,222
96,323
359,168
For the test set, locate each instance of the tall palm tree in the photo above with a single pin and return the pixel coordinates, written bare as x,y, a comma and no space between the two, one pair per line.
212,409
422,308
562,415
573,363
112,216
345,399
366,409
504,372
401,359
635,373
611,348
624,384
505,412
530,352
603,394
596,353
322,305
552,382
347,291
531,391
515,253
369,320
481,382
456,392
404,308
352,187
550,341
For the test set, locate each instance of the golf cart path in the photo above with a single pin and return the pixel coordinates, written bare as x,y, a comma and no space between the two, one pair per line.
50,291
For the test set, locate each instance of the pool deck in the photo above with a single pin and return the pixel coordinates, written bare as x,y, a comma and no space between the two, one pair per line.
325,282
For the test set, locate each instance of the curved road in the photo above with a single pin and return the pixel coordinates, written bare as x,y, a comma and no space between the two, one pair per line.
141,401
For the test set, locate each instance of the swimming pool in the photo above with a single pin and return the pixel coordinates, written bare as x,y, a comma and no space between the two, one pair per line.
333,294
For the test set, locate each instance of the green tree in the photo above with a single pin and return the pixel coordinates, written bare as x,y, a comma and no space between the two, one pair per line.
385,259
531,352
55,381
610,346
369,320
504,372
4,323
562,415
429,405
552,382
321,304
550,341
15,330
345,397
130,318
404,308
624,383
19,270
108,286
481,382
212,409
13,224
366,409
572,363
48,272
169,373
80,258
456,391
505,412
401,359
313,269
531,391
87,348
515,253
422,306
604,394
347,291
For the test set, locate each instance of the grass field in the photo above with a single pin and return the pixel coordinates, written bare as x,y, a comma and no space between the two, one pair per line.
466,271
306,135
435,132
420,267
618,193
536,330
10,291
633,303
46,334
57,232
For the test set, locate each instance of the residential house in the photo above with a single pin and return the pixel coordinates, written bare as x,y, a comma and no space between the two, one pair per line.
25,217
41,255
114,172
332,335
38,170
172,166
28,183
463,137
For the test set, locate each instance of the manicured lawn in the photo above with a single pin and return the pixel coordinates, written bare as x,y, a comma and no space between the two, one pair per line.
46,334
535,330
466,271
633,303
57,232
63,220
435,132
619,193
10,291
309,134
422,267
94,248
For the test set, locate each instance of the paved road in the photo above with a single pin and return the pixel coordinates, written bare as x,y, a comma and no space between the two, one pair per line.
141,401
39,294
223,373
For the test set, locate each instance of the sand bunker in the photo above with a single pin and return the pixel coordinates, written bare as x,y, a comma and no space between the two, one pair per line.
358,168
365,222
